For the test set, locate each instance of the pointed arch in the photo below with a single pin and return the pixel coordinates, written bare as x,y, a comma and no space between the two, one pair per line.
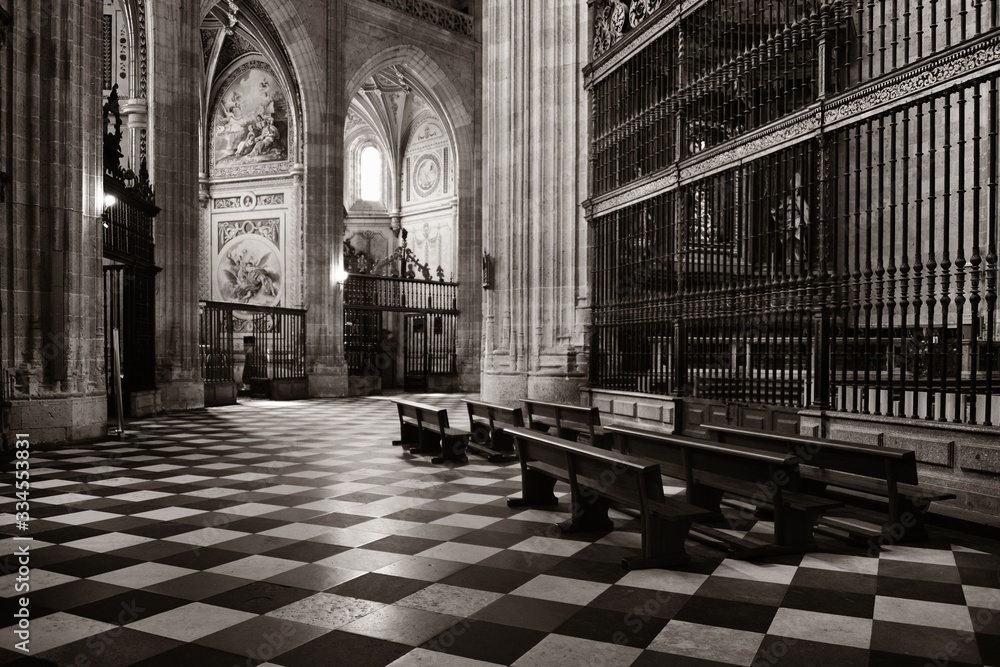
428,76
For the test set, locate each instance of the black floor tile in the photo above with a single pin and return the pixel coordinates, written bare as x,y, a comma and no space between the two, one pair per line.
736,615
259,597
344,648
379,587
193,654
92,565
484,578
789,652
613,627
488,642
121,647
128,607
842,603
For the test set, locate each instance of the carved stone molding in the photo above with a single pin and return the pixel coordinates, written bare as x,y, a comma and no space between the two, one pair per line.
433,13
142,52
633,193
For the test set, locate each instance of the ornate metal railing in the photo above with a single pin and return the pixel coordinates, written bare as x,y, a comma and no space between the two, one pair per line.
128,225
279,342
852,266
726,69
914,287
429,333
370,292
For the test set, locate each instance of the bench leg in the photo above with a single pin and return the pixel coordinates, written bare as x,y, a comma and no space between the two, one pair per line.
409,436
907,521
705,497
536,490
453,450
662,544
590,513
429,443
793,527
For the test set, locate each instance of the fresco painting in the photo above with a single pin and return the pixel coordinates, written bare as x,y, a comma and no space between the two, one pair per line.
250,121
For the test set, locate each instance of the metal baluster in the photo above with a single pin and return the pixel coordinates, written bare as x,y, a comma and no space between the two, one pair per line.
975,262
945,266
934,26
931,264
867,271
857,274
920,29
960,262
918,267
880,270
894,288
991,247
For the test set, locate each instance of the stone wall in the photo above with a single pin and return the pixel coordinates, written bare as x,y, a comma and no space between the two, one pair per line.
51,237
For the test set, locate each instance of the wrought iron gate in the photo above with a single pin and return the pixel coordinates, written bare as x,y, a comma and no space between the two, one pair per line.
430,324
130,274
415,362
129,305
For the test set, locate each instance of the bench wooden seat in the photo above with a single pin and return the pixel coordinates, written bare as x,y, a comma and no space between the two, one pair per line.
843,470
425,430
487,421
711,470
569,422
596,478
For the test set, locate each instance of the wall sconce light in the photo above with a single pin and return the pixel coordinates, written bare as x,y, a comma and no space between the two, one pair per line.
109,201
339,276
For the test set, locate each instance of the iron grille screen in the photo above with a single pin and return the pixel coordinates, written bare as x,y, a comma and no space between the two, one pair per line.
279,339
852,266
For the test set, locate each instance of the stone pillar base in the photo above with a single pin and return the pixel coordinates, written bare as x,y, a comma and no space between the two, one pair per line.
556,389
504,389
145,403
60,419
182,395
328,383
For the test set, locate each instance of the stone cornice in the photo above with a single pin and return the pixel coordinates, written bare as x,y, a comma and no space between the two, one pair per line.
431,12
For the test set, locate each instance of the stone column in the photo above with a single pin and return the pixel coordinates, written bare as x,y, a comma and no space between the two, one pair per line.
51,234
535,179
136,113
175,68
324,227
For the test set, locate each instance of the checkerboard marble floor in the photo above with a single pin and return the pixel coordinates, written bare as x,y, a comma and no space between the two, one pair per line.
294,534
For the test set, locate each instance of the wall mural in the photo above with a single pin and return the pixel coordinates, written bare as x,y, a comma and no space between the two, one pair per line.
249,265
251,122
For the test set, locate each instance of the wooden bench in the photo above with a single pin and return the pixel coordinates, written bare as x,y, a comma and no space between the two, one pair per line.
424,429
487,421
841,470
571,422
710,470
596,477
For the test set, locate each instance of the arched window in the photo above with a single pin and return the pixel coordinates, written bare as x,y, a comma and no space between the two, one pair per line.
371,174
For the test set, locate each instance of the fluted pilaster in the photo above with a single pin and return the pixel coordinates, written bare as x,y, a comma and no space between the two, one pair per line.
535,139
